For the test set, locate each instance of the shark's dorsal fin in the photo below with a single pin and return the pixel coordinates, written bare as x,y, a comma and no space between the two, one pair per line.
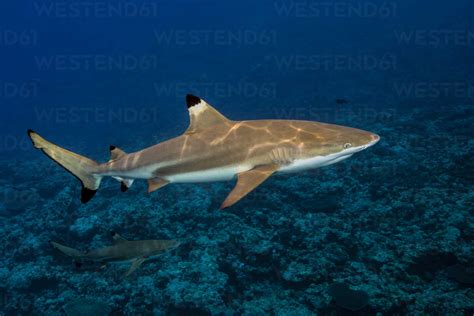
117,238
202,115
247,181
116,153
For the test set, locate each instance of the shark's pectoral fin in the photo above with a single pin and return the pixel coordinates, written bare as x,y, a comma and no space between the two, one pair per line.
247,181
135,265
156,183
202,115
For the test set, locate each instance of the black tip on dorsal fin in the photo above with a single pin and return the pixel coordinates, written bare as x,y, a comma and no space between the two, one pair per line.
30,131
87,194
112,147
123,187
192,100
112,233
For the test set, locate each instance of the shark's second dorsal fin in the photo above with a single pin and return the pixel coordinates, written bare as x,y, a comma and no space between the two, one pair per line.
117,238
202,115
116,153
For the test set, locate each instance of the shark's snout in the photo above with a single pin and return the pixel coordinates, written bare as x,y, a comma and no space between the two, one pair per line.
365,141
375,138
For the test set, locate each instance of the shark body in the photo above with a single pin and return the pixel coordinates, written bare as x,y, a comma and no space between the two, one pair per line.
215,148
133,251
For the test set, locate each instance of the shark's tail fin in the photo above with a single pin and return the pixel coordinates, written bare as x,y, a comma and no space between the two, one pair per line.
71,252
85,169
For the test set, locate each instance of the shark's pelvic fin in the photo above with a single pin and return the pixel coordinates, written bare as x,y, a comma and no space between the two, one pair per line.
116,153
247,181
156,183
117,238
135,265
202,115
85,169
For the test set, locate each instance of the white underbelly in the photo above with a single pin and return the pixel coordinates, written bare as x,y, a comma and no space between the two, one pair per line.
138,173
209,175
312,163
228,172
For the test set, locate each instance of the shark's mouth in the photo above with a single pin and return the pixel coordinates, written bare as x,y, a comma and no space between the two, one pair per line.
352,150
315,162
321,161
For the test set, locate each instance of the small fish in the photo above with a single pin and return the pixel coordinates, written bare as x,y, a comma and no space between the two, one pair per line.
342,101
215,148
133,251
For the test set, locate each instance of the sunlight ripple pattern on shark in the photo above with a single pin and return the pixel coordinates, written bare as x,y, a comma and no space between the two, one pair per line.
215,148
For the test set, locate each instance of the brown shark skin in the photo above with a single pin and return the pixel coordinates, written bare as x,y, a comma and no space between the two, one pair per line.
129,250
122,250
215,148
252,143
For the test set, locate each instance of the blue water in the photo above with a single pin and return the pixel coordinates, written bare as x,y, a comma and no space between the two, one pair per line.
389,231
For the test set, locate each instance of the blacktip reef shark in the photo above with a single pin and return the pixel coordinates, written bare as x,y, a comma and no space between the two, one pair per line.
134,251
215,148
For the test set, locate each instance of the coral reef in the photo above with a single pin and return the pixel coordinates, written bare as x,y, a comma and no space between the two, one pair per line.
348,298
86,307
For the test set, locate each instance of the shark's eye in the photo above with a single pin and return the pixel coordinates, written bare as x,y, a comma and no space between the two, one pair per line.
347,145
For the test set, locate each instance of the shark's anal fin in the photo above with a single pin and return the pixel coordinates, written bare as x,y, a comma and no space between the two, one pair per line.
202,115
135,265
156,183
125,184
117,238
247,181
123,187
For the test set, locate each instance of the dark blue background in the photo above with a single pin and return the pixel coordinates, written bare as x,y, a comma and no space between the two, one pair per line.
284,30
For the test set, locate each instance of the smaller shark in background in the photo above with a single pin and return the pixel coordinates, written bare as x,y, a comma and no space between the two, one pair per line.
134,251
